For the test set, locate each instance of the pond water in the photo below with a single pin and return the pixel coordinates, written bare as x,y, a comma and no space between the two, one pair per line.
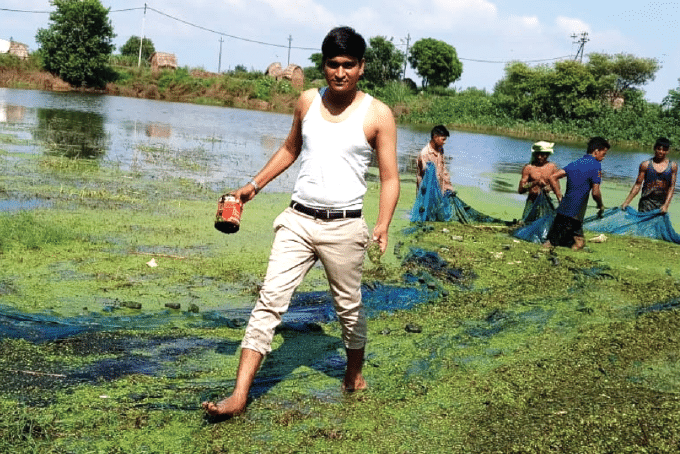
224,147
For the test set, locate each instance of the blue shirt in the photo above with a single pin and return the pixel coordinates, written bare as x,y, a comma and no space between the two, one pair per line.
582,174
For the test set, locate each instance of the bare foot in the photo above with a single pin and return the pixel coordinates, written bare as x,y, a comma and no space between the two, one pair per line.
231,406
357,384
547,245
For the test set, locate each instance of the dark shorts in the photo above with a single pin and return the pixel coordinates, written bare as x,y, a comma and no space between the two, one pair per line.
563,230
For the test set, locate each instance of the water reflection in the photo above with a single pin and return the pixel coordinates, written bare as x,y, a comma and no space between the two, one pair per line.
223,148
10,113
71,133
158,130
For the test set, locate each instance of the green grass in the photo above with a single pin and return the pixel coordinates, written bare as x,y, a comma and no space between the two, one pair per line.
539,352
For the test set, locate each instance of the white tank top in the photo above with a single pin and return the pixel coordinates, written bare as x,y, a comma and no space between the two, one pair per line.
333,160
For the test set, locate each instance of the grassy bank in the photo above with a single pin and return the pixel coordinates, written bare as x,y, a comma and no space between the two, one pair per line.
534,352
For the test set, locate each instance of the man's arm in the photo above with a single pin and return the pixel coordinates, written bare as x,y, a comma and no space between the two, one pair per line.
385,145
285,156
597,197
671,188
420,169
555,183
637,185
524,180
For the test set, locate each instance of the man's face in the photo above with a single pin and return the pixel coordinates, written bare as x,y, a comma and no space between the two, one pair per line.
660,152
343,72
599,154
542,158
439,141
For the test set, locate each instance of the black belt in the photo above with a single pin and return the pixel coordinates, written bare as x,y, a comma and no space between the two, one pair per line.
325,214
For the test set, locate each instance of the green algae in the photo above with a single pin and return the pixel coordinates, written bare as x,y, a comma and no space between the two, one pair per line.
543,351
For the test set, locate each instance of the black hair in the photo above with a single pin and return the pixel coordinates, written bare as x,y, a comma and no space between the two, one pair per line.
439,130
597,143
662,142
343,41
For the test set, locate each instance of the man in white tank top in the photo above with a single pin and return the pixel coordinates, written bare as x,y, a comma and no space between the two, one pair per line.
335,131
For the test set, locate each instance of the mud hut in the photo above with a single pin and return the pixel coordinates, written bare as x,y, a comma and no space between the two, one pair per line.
294,73
163,60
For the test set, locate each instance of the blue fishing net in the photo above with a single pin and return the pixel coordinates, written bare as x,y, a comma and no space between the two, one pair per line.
650,224
537,231
306,309
432,205
537,219
540,207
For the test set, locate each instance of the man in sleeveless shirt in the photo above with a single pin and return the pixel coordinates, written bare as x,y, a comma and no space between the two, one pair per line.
657,178
335,132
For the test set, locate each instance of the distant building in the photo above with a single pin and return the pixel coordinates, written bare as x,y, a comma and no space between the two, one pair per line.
163,60
14,48
294,73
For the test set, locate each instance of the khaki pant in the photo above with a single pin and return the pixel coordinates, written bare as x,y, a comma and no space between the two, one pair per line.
300,241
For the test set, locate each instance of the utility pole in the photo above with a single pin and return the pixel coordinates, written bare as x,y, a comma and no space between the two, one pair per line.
583,39
290,40
219,61
141,40
408,39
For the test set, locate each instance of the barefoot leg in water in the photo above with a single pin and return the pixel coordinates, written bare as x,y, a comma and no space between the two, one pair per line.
248,365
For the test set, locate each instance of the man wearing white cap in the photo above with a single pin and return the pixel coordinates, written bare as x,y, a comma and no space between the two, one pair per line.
536,174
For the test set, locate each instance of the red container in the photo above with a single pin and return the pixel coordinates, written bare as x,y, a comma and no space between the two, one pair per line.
228,218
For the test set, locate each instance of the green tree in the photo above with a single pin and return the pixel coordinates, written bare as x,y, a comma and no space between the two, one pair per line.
436,62
384,62
671,103
619,73
131,48
77,45
315,72
565,91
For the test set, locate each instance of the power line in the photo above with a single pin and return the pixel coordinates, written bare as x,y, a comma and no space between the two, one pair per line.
240,38
24,11
510,61
230,36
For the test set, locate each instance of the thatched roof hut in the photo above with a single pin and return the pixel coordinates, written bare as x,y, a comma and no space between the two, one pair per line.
294,73
163,60
14,48
19,49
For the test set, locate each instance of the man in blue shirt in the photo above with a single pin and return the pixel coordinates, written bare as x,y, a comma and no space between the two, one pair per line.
583,175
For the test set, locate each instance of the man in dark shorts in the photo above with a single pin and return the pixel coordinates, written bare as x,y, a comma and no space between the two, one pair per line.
658,175
583,175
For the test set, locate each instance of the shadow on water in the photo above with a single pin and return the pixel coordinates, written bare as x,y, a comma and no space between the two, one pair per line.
93,334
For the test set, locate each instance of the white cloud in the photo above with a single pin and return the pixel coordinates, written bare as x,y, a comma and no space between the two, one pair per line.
299,11
464,9
569,25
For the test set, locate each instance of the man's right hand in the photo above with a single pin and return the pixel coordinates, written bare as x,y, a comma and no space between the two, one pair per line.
245,193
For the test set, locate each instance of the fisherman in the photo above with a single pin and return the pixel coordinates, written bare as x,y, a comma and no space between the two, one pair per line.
536,175
657,178
434,152
335,132
583,176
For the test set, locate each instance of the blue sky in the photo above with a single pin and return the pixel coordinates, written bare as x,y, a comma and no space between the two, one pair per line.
485,33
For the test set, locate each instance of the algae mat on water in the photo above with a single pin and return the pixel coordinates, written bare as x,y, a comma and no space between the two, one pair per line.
522,349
